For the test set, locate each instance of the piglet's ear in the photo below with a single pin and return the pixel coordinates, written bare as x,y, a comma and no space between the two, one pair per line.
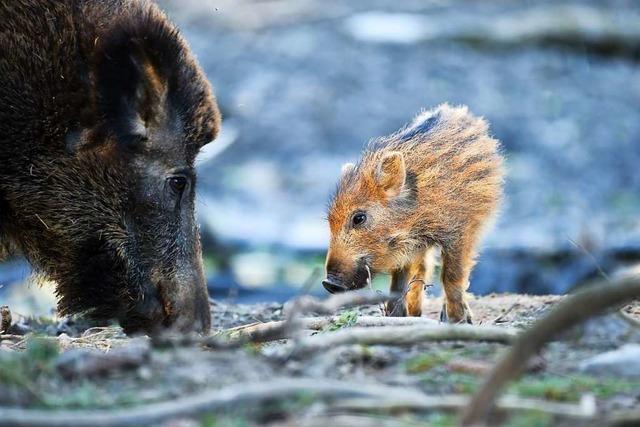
390,173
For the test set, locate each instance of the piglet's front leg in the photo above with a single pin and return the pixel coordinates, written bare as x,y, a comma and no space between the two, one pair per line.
409,283
397,307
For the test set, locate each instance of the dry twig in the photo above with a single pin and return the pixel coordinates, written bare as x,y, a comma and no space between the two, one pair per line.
403,336
247,395
271,331
596,299
419,402
352,396
305,304
309,304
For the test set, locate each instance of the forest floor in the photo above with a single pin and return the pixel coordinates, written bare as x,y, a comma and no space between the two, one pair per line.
64,366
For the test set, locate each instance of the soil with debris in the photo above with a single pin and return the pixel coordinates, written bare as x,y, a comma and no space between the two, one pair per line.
68,364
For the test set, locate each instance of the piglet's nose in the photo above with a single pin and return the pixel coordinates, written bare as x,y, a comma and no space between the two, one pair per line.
332,286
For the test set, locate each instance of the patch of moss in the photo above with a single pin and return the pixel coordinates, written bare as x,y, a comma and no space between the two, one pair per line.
344,320
87,395
440,419
212,420
427,361
451,382
20,370
571,388
530,419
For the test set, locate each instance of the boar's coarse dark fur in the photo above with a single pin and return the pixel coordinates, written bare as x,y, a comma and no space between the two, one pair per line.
102,111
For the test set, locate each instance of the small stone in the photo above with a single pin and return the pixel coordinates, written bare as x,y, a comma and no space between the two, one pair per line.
622,362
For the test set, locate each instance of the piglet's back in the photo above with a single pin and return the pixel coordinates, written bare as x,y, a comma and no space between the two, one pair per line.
453,164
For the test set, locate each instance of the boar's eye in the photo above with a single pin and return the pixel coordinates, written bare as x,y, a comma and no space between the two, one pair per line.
177,183
359,219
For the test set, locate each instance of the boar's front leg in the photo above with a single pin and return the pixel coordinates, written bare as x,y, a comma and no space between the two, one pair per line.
457,262
409,283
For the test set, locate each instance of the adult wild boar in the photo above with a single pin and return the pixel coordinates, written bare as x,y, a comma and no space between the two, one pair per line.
103,109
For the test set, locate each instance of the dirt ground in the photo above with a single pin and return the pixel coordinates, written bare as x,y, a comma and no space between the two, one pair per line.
57,371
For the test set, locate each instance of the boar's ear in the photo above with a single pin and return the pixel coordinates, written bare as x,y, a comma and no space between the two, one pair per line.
390,173
347,168
131,91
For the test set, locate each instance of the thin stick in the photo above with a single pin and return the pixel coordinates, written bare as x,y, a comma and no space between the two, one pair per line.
272,331
344,395
392,404
276,330
593,300
403,336
500,318
246,395
308,304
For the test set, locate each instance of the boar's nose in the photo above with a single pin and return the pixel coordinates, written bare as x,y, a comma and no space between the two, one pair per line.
332,286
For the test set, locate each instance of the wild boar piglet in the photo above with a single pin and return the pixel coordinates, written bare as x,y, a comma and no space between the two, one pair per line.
433,185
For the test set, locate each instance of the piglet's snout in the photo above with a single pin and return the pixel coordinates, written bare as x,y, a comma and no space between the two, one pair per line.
333,285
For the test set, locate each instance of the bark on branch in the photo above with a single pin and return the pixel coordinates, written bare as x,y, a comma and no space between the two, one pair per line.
594,300
247,395
272,331
363,397
402,336
277,330
309,304
585,409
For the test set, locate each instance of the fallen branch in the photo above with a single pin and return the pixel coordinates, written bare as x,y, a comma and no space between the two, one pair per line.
505,313
277,330
585,409
245,395
403,336
11,337
592,301
271,331
309,304
341,396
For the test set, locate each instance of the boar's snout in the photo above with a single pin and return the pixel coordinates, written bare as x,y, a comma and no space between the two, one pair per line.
147,315
188,307
178,305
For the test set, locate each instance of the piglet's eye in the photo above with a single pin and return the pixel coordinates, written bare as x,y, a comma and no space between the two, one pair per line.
359,219
177,183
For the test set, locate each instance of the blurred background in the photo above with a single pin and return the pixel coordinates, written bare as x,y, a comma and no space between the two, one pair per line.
304,84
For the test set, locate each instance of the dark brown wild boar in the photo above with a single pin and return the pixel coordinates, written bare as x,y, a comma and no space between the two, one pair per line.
102,111
434,184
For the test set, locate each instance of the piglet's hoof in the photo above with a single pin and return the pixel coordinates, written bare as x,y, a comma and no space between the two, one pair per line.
465,315
395,308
